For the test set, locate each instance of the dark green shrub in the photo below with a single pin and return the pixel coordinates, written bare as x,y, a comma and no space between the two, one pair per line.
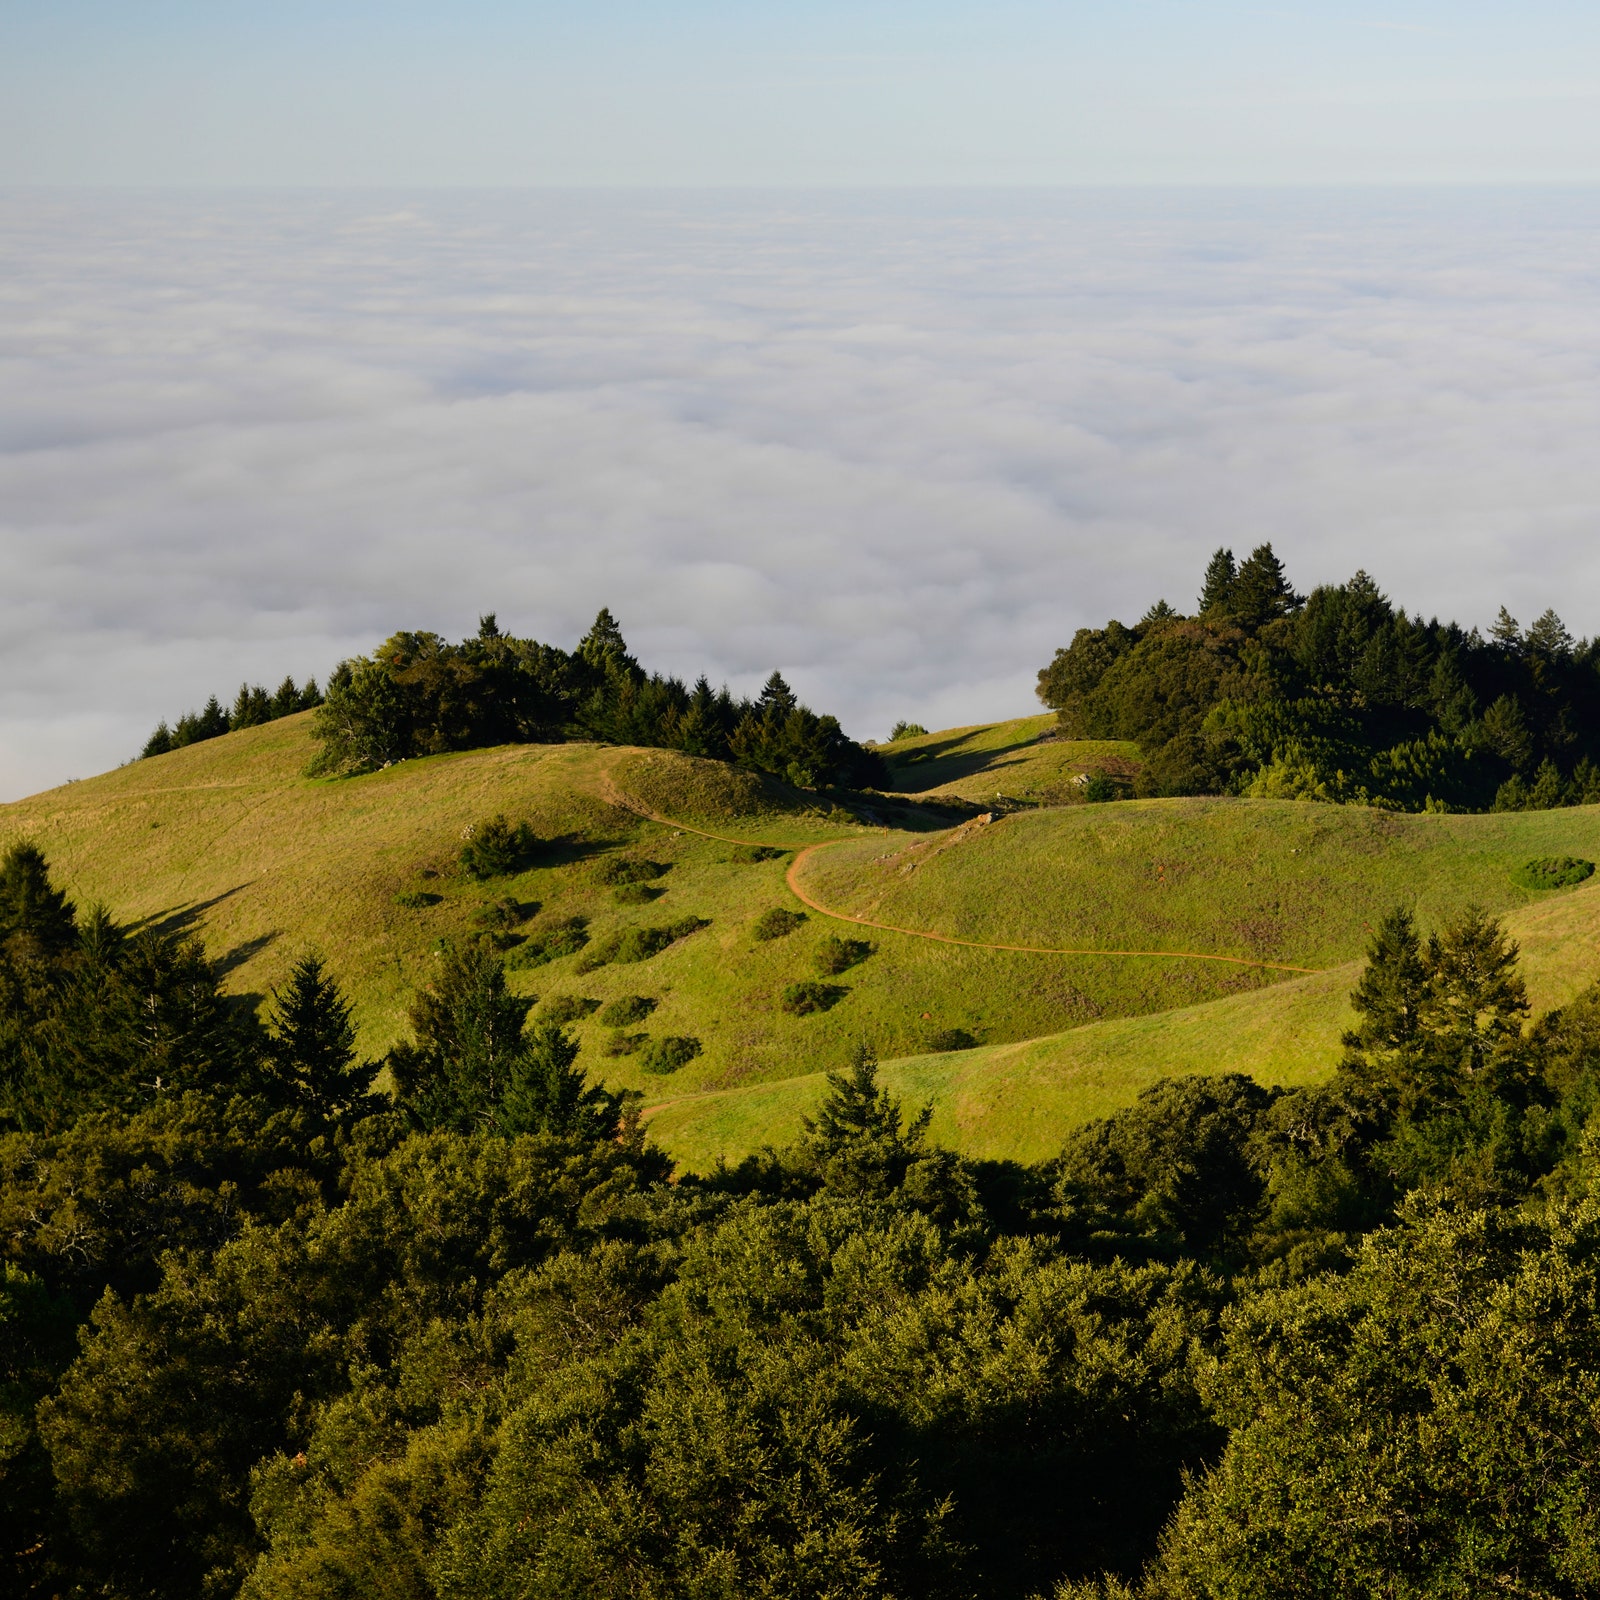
630,1008
564,938
745,855
502,915
950,1039
416,899
636,894
662,1056
494,849
638,944
623,1044
1552,872
835,955
1100,788
808,995
906,730
562,1009
628,869
774,924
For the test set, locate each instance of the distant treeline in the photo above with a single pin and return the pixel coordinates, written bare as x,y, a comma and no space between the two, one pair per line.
1337,695
252,706
418,695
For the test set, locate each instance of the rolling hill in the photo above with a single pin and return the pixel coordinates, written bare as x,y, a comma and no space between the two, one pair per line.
230,839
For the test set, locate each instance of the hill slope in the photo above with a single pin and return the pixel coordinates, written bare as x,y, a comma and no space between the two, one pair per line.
230,839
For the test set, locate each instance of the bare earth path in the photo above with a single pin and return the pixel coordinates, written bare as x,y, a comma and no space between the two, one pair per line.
792,878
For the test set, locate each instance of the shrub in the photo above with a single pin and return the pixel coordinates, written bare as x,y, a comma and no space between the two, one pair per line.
565,938
623,1044
416,899
503,914
639,944
562,1009
630,1008
745,855
494,849
629,869
1100,788
951,1039
835,955
1552,872
636,894
807,996
906,730
774,924
662,1056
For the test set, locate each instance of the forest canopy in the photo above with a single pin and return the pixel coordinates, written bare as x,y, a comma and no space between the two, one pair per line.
267,1332
1337,695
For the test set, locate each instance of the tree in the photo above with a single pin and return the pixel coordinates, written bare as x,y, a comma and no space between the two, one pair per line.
35,916
777,698
546,1093
311,1044
1216,592
1383,1053
1261,593
859,1141
604,649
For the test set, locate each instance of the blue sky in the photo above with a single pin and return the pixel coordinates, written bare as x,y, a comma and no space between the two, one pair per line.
823,93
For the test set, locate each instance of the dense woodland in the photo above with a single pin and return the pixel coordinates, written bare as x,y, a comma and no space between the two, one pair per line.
252,706
266,1331
1337,695
419,695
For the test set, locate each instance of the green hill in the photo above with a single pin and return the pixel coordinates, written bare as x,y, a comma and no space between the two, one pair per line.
230,839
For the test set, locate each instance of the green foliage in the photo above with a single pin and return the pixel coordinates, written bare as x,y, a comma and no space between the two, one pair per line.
835,955
906,730
808,996
624,870
417,899
638,944
1553,872
622,1043
565,937
311,1046
252,706
946,1039
627,1009
496,849
636,894
776,923
745,855
667,1054
1100,788
563,1009
502,915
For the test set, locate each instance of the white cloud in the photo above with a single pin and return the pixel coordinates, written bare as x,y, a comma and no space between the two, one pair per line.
898,445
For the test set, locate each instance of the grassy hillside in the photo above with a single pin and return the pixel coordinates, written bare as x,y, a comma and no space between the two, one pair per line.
230,839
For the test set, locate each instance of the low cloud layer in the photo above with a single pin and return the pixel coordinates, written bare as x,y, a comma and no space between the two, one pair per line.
898,445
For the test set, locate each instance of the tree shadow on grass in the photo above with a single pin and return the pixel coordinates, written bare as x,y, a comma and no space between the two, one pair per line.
182,919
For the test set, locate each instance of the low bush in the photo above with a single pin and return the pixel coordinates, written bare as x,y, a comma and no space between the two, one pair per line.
745,855
565,938
1552,872
623,1044
636,894
835,955
562,1009
629,869
638,944
503,914
950,1039
416,899
495,849
906,730
774,924
808,996
662,1056
627,1010
1100,788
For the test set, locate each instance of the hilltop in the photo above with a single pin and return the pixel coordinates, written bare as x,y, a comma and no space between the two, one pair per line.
229,838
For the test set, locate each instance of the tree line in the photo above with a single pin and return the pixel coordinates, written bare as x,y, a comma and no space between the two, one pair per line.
252,706
268,1332
1337,695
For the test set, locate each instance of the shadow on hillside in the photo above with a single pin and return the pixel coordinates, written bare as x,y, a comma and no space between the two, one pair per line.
571,848
232,959
910,816
182,919
934,765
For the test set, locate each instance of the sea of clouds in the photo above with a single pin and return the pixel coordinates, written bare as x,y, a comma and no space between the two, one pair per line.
899,445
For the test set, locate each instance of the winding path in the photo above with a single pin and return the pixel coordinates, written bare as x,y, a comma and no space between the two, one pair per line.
792,878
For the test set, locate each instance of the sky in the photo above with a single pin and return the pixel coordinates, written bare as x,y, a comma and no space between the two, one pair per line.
807,92
886,344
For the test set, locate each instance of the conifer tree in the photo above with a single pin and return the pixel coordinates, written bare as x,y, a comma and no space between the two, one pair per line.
777,698
1382,1052
311,1043
604,648
1261,592
1216,593
33,912
1506,633
547,1093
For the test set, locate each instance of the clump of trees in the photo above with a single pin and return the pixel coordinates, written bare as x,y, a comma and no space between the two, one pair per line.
252,706
268,1333
419,695
1337,695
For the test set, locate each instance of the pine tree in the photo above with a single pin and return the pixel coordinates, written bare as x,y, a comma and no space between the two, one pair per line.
34,914
1261,592
604,648
547,1093
1506,633
1383,1052
858,1141
1548,638
159,742
312,1043
777,698
1477,1000
1216,593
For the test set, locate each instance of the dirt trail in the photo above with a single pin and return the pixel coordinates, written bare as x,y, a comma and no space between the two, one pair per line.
792,878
